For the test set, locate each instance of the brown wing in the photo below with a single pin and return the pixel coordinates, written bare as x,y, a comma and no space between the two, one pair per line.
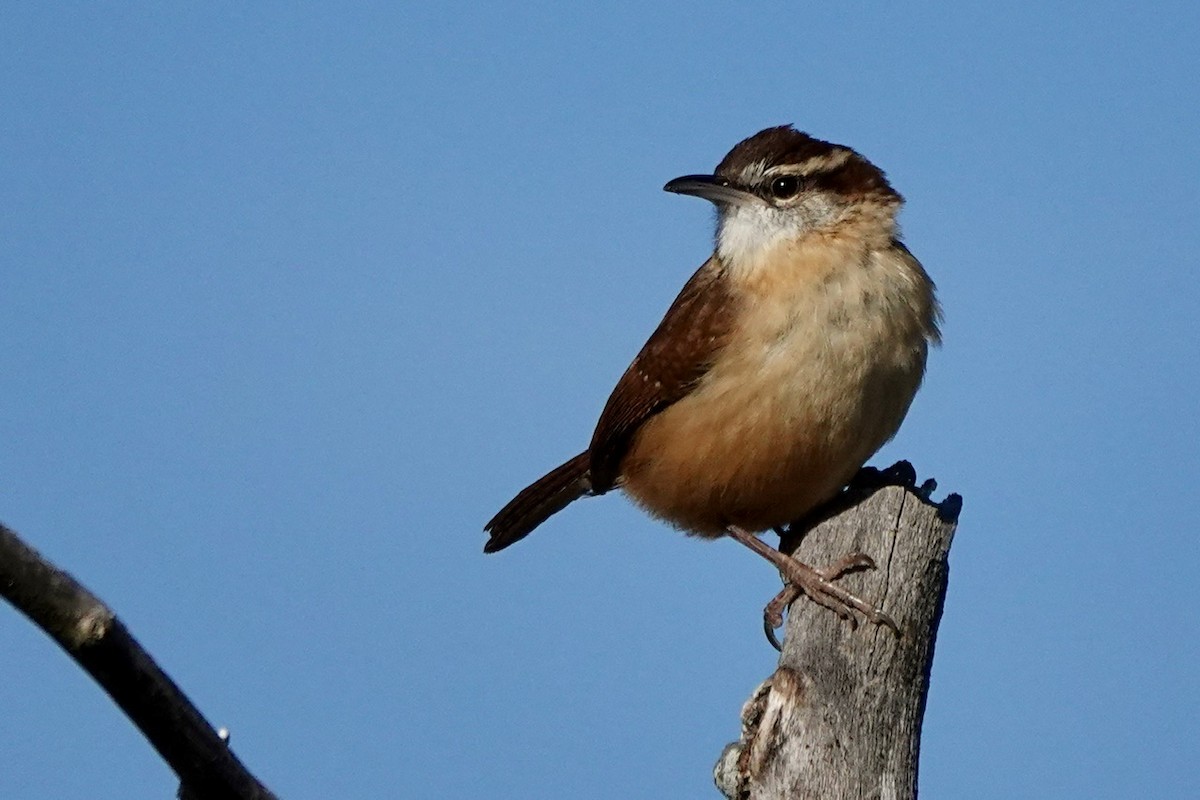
671,362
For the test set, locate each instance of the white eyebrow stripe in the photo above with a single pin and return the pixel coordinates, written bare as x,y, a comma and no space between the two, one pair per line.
752,173
826,162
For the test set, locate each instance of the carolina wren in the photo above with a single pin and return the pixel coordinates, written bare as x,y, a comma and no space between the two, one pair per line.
788,359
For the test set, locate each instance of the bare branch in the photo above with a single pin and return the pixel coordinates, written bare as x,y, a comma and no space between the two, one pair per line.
93,636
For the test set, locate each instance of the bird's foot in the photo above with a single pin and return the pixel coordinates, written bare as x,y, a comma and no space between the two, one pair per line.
819,586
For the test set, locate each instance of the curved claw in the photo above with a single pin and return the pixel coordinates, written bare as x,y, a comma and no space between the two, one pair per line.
773,613
769,630
851,563
884,619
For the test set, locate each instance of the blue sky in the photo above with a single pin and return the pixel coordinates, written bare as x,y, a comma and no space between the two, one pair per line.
296,296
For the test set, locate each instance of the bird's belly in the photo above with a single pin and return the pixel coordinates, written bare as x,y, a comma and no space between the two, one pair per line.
777,427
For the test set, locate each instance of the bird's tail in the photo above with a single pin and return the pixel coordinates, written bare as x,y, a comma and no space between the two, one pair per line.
537,502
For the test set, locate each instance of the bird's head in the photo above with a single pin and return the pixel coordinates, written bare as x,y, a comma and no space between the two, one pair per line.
782,185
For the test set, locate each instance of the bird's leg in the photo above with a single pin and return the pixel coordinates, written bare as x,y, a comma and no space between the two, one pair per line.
816,584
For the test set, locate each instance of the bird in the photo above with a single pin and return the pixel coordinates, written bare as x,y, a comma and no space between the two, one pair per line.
786,361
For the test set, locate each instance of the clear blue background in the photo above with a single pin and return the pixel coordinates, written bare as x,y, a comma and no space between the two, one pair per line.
294,298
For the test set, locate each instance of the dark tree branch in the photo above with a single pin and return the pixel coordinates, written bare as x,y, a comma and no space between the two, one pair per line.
93,636
840,719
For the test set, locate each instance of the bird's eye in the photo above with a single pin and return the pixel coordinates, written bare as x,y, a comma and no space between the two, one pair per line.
785,187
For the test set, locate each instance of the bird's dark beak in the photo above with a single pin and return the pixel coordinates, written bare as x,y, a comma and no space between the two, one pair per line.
711,187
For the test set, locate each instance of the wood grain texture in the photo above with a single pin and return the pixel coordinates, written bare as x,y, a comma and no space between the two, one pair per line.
841,716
